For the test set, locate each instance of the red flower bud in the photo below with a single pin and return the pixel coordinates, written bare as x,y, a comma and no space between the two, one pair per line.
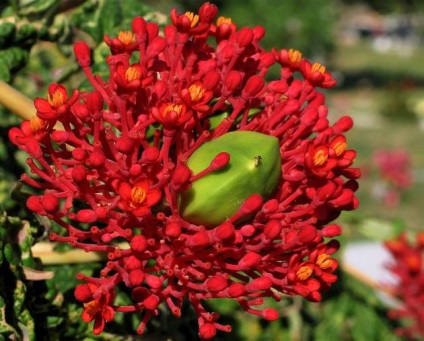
82,53
198,240
211,80
136,277
331,231
220,161
207,12
343,124
154,282
33,203
225,231
94,102
125,144
272,229
173,230
96,159
249,261
233,80
86,216
253,86
50,203
207,331
83,293
139,28
270,314
216,283
244,37
138,244
151,302
251,204
156,46
79,173
236,290
258,284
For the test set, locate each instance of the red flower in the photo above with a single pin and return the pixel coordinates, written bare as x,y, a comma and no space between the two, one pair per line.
100,309
197,97
57,102
138,198
171,115
149,134
123,43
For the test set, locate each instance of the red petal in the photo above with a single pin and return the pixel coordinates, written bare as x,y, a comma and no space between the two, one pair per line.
86,317
99,324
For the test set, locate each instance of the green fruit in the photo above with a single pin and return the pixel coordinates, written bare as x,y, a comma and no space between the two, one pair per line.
254,168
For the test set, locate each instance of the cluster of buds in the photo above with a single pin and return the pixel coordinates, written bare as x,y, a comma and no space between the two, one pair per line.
408,268
198,178
394,168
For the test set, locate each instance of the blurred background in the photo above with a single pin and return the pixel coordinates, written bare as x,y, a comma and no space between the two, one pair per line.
374,48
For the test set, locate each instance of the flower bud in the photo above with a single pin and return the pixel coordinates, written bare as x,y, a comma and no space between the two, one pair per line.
82,53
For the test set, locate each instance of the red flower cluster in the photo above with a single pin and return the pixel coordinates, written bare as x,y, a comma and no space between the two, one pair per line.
408,268
394,168
114,169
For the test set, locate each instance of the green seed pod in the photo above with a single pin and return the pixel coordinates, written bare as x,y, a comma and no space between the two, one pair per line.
254,168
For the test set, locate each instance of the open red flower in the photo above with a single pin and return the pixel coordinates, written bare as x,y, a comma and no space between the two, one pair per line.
138,198
100,309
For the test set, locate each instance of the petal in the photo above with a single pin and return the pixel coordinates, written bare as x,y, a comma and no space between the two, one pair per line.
42,105
99,324
153,197
124,191
86,317
108,314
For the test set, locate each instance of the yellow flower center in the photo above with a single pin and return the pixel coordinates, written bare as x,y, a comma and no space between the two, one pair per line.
133,73
318,67
196,92
37,124
194,18
138,195
295,56
339,148
304,272
126,37
320,157
56,99
172,107
324,261
223,20
92,307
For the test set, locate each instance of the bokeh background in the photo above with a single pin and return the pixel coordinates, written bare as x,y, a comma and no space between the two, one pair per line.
374,48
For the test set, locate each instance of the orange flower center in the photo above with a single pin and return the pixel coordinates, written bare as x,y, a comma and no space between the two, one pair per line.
133,73
339,148
56,99
173,107
196,92
223,20
138,195
37,124
92,307
304,272
295,56
126,37
320,157
318,67
324,261
194,18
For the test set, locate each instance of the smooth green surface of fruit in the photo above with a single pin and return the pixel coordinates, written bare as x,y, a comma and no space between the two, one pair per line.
254,168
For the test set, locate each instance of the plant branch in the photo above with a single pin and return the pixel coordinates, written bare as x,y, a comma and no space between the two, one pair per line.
16,101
